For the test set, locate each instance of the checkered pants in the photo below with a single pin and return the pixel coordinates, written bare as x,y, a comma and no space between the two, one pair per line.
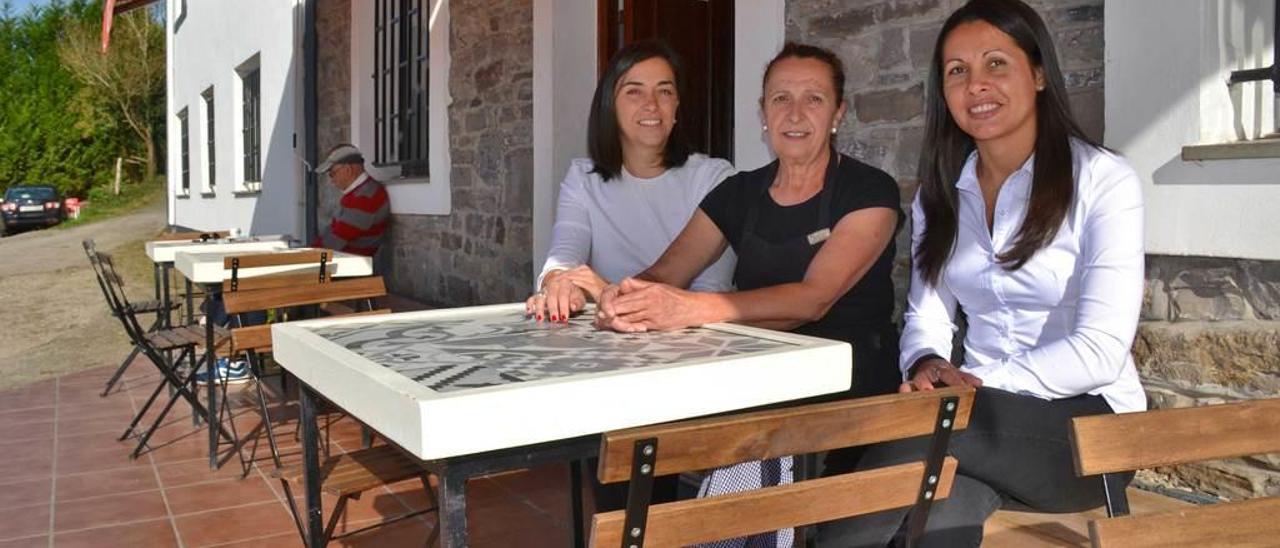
744,477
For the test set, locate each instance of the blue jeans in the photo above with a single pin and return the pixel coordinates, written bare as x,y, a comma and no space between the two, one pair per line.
1015,454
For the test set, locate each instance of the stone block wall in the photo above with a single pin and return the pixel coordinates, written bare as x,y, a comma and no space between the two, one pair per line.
481,252
887,45
333,82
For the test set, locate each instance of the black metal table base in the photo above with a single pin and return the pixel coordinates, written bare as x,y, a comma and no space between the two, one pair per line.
452,474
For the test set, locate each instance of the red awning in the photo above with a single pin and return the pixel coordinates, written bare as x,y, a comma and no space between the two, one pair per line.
114,7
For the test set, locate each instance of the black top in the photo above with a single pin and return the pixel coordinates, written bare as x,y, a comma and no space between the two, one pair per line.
854,186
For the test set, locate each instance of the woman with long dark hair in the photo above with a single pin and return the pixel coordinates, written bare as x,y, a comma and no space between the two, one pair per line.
619,209
1034,231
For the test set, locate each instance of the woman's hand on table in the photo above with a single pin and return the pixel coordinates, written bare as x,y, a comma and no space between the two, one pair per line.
935,372
637,305
559,298
586,279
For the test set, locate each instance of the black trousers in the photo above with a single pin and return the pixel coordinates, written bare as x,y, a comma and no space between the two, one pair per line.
1015,454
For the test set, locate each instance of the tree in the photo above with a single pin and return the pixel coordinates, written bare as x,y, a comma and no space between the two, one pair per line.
39,141
125,84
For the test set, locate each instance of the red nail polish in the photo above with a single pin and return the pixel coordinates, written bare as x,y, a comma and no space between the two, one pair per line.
539,317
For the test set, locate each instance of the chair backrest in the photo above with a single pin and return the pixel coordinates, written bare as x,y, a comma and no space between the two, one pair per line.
321,258
113,288
91,250
1107,444
196,235
257,338
724,440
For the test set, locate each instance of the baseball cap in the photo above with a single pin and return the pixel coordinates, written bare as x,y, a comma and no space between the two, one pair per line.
342,154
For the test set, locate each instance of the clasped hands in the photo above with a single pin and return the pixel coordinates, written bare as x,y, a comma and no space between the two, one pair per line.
564,293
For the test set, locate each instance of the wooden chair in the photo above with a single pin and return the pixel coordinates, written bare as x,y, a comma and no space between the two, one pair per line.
641,453
1111,444
308,284
346,476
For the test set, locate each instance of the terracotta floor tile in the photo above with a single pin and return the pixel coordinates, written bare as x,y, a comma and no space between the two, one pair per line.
39,541
42,449
82,393
103,511
374,505
23,416
250,522
201,497
23,522
151,534
27,431
272,541
26,467
25,493
187,472
98,459
93,441
97,375
121,409
410,532
97,425
111,482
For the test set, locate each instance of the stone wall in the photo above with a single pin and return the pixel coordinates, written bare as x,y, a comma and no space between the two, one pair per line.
333,81
1210,334
481,253
886,46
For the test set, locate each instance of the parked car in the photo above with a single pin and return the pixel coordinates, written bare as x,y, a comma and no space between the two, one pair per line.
31,205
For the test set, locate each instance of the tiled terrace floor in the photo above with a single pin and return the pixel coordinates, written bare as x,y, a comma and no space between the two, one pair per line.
65,480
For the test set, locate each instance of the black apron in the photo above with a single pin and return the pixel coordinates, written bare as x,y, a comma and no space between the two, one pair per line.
762,263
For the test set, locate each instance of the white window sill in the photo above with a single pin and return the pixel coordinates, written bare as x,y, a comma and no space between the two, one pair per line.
1239,150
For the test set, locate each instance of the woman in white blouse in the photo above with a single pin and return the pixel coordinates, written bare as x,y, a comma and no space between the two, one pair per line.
619,210
1034,232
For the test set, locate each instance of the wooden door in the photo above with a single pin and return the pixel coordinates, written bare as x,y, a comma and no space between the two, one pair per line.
701,32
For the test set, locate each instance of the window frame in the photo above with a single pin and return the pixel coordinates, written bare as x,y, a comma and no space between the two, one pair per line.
251,126
184,154
401,80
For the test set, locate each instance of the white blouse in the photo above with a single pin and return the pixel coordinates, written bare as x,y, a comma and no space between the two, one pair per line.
621,227
1061,325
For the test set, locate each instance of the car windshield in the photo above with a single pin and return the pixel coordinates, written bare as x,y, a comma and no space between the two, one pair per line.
30,193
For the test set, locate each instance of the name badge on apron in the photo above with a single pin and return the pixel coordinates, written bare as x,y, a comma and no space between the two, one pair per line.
820,236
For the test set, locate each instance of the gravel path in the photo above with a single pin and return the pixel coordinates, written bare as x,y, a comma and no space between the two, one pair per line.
53,319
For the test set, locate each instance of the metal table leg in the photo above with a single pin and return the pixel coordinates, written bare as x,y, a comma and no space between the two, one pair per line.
452,492
211,392
311,466
164,293
575,499
191,313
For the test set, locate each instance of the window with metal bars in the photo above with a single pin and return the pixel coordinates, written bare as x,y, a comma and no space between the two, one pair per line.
1271,73
210,157
251,129
184,152
400,85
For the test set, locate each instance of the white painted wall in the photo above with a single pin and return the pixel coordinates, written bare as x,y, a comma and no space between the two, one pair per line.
205,47
423,195
1166,72
564,79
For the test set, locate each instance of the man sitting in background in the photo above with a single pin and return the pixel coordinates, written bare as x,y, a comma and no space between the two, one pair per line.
360,224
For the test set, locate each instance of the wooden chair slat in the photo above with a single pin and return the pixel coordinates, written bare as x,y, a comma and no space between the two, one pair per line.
1246,523
310,277
195,235
258,337
730,516
283,258
340,290
1129,441
360,470
719,441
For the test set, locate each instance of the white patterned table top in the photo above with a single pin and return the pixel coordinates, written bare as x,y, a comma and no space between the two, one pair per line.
165,251
206,267
451,382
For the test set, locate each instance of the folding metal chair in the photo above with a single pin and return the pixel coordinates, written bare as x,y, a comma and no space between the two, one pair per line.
141,307
154,344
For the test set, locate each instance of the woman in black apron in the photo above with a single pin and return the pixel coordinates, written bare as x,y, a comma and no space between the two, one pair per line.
814,236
